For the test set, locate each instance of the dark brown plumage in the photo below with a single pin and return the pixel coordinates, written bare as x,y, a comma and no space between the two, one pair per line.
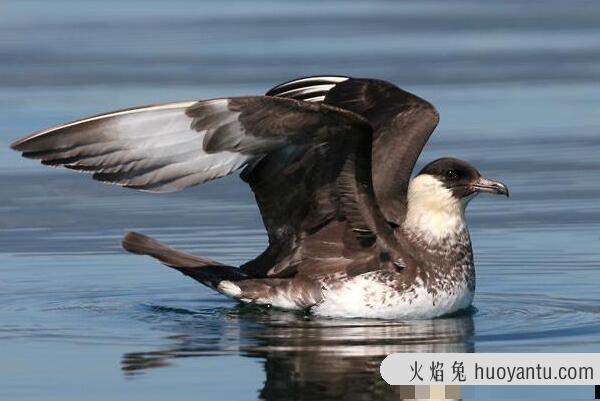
329,160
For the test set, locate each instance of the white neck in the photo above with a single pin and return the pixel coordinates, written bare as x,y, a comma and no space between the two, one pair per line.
434,214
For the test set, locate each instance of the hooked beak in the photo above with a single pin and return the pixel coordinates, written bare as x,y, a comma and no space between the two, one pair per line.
495,187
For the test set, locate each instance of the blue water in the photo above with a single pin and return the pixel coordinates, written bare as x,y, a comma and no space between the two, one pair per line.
518,88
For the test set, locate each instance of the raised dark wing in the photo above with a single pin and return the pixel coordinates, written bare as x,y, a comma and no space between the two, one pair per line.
401,121
309,89
307,163
173,146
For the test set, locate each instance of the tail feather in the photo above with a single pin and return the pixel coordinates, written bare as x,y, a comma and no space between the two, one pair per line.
285,293
204,270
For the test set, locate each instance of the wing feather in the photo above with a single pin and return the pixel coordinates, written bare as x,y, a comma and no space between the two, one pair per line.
308,163
401,121
169,147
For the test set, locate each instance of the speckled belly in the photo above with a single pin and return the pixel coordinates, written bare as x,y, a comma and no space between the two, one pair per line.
370,296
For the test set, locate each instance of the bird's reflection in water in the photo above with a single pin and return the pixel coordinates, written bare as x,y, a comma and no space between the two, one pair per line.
314,358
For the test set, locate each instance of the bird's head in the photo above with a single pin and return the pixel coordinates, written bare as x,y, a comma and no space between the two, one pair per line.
439,194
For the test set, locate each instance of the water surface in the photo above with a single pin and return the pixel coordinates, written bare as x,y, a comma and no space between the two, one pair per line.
517,86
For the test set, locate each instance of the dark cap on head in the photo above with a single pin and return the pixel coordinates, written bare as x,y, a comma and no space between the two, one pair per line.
462,178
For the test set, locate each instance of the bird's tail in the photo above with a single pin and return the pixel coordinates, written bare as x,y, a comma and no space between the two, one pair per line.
228,280
204,270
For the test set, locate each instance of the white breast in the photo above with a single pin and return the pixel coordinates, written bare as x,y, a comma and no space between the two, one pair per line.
434,214
366,296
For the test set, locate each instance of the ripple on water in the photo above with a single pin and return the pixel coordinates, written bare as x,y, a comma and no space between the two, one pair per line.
498,323
535,320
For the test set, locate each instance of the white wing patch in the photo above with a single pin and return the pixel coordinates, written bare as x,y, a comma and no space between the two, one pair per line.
151,148
310,89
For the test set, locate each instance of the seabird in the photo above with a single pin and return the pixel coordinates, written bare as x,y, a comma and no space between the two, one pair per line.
329,159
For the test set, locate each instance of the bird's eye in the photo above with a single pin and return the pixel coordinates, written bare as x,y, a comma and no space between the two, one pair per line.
452,175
